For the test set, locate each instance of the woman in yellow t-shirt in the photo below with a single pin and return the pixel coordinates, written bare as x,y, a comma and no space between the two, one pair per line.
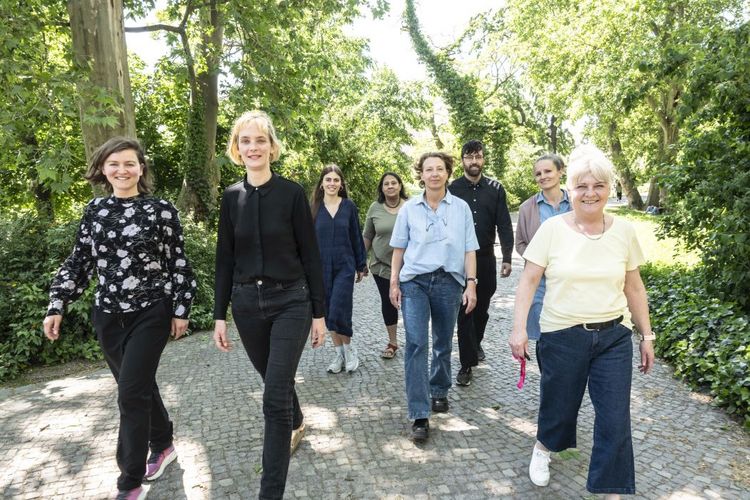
594,296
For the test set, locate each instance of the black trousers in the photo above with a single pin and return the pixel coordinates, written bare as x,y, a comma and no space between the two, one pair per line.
471,326
274,325
132,344
390,313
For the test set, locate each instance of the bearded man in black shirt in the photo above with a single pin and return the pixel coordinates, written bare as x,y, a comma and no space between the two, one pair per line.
486,198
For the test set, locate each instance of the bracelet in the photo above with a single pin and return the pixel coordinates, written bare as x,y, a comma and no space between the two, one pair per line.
650,336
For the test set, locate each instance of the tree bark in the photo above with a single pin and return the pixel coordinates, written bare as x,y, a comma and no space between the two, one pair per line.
553,134
99,51
627,178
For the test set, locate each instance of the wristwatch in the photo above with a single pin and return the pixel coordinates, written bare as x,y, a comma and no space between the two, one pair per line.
650,336
476,281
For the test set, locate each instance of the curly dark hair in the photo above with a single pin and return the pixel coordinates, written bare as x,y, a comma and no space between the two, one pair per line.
447,160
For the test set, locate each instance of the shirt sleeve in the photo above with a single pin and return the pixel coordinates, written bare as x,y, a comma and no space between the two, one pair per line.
308,251
538,250
369,232
180,271
76,272
224,260
504,226
635,253
400,235
355,235
470,235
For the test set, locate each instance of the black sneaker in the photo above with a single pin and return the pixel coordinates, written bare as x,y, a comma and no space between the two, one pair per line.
480,354
420,430
464,377
440,405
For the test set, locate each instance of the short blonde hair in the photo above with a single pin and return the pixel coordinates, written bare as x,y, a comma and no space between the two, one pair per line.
264,123
588,159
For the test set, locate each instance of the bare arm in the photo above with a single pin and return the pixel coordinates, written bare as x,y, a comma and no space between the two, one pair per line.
530,278
635,292
469,298
397,261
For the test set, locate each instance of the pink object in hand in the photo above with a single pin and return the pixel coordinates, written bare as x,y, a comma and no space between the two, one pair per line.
522,378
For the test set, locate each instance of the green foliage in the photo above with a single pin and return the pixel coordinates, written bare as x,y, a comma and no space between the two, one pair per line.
31,252
701,336
710,183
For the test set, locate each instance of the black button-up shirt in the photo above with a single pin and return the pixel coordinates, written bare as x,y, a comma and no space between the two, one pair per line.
486,199
266,232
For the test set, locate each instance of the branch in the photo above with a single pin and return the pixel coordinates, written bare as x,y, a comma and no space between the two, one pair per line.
154,27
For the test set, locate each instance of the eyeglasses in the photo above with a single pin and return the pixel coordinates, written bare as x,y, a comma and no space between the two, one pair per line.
478,156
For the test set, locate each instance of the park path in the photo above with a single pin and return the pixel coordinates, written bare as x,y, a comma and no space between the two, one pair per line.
57,439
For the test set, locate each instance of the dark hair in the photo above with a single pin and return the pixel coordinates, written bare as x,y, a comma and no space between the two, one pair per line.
472,146
402,192
317,194
96,176
556,160
447,160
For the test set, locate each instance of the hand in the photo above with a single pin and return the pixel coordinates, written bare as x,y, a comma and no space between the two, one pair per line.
519,343
395,295
360,275
52,326
179,327
318,332
505,269
469,298
647,356
220,336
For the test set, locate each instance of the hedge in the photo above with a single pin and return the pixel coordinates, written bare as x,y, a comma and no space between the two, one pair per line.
703,338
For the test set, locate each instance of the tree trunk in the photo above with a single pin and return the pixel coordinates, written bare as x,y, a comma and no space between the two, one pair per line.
627,178
202,176
553,134
99,51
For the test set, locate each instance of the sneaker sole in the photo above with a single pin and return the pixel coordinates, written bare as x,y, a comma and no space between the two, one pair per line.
168,460
353,369
335,371
540,483
296,442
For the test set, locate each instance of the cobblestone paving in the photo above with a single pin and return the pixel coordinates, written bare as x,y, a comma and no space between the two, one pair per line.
57,439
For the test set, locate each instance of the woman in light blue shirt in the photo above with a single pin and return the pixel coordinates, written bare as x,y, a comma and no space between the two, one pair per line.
433,271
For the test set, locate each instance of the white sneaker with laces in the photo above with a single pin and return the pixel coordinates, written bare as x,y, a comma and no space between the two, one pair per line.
539,467
337,364
352,360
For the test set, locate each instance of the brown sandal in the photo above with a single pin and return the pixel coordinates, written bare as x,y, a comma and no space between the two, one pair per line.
389,352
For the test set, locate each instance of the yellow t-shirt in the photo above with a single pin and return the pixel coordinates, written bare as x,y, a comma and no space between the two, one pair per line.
585,278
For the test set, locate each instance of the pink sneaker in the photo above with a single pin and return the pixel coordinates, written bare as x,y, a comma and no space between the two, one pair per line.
157,462
135,494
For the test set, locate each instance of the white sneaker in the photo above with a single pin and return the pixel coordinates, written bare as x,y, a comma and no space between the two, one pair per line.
352,360
539,467
337,364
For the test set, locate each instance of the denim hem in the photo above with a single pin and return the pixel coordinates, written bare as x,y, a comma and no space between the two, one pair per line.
614,491
558,450
434,395
415,416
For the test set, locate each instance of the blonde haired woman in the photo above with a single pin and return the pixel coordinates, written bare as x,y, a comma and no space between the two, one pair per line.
268,267
594,295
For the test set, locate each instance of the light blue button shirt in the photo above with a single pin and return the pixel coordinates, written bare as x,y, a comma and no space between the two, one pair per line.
434,239
546,210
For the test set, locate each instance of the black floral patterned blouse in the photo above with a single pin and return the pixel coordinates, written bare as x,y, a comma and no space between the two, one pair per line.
136,247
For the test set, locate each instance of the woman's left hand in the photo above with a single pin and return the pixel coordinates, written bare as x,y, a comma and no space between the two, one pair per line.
360,275
318,332
469,298
179,327
647,356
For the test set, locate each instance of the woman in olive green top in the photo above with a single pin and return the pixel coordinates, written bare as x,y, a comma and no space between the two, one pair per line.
381,216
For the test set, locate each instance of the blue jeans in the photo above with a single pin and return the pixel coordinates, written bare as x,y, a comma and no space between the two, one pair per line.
603,359
436,296
535,311
274,324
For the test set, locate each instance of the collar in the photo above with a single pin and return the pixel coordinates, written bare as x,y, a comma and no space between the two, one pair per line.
263,189
448,198
465,180
541,199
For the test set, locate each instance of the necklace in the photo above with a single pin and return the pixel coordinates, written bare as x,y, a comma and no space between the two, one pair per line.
392,206
583,231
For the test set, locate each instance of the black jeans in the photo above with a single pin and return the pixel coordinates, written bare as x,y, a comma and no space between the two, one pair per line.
274,324
132,344
471,326
390,313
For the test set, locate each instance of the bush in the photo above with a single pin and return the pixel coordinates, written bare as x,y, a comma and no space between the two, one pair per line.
702,337
30,254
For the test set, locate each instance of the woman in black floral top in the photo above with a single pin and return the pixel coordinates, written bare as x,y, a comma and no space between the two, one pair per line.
145,287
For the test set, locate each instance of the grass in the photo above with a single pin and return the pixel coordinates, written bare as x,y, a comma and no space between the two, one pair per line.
666,251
